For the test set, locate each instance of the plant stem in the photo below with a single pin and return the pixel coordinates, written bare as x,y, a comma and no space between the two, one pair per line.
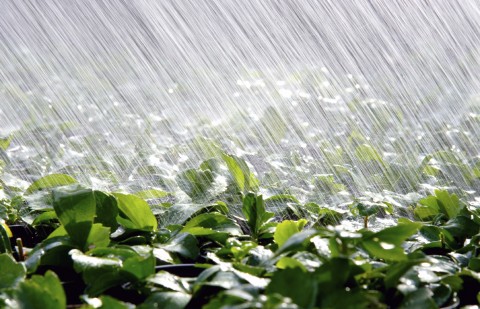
21,255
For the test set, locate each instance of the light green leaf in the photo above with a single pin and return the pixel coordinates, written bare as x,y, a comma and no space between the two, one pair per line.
367,153
286,229
50,181
135,213
241,174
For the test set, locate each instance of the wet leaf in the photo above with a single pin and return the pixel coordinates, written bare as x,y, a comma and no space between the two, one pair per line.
50,181
300,286
134,213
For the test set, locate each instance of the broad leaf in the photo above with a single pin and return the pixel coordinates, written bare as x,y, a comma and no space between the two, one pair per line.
106,209
135,213
12,272
41,292
286,229
52,251
386,244
50,181
183,244
300,286
75,209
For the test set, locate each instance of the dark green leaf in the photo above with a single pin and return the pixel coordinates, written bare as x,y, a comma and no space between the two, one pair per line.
106,210
53,251
300,286
75,209
419,299
171,300
184,244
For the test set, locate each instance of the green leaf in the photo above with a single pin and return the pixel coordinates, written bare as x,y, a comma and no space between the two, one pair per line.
196,183
286,229
461,227
180,213
295,242
104,268
397,270
254,211
52,251
41,292
442,202
135,213
419,298
5,142
171,300
367,153
288,262
449,203
106,302
152,193
99,236
12,272
366,209
44,217
241,174
184,244
5,234
327,184
300,286
441,294
75,209
386,244
215,222
169,281
106,209
50,181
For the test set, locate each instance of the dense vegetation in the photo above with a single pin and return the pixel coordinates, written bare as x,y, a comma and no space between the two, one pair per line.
274,210
237,250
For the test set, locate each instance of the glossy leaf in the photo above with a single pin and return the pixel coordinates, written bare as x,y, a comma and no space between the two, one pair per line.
386,244
50,181
286,229
75,209
184,244
135,213
171,300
